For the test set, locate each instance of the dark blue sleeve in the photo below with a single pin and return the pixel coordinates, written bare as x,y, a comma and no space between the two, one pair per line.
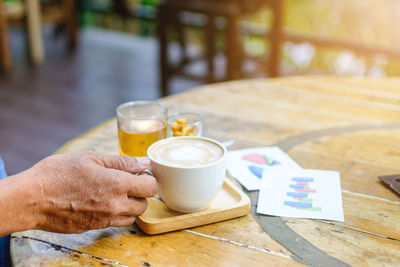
5,259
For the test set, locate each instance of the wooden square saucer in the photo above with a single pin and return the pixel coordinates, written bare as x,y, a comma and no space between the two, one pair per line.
229,203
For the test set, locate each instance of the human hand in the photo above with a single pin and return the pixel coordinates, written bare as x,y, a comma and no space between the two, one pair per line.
83,191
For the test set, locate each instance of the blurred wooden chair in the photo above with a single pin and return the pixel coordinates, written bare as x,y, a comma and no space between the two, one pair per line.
33,14
169,18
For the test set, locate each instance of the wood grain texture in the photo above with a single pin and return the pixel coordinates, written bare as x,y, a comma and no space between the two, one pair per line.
350,246
130,247
63,256
360,157
347,124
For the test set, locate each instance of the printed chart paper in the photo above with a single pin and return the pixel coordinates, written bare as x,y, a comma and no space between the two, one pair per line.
248,165
314,194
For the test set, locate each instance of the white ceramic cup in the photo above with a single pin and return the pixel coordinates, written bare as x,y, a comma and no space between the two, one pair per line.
188,188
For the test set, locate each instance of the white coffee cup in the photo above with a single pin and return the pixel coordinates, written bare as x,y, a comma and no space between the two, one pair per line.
190,171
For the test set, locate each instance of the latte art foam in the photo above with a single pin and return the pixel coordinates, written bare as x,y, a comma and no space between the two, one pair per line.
186,152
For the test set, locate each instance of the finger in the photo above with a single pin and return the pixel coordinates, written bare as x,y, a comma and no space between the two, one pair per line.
142,185
125,163
133,206
122,221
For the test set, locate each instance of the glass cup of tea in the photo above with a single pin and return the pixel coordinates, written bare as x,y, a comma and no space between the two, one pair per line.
140,124
185,124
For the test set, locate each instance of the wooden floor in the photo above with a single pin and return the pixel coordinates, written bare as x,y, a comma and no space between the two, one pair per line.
40,109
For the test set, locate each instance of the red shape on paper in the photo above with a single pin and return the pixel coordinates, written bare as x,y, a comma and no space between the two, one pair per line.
303,183
306,190
256,158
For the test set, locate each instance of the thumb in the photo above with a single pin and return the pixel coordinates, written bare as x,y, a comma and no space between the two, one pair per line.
125,163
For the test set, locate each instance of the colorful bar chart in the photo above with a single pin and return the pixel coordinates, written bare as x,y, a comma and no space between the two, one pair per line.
300,191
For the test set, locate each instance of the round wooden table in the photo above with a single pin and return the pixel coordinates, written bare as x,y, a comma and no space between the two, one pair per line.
351,125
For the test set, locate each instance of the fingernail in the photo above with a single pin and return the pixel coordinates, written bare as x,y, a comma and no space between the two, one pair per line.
144,161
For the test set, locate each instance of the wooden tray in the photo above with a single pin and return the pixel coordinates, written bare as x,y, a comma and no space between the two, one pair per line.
229,203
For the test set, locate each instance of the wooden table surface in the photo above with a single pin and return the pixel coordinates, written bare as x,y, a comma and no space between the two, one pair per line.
337,123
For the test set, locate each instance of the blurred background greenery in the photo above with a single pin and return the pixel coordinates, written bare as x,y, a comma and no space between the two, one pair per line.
366,22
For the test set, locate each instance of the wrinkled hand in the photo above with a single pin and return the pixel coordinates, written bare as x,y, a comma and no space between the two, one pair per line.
84,191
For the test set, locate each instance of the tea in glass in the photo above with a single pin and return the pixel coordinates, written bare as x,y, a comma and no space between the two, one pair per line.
140,124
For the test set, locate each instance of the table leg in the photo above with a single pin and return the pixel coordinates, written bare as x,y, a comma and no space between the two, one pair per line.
33,24
181,35
163,49
276,38
71,14
5,58
232,42
210,47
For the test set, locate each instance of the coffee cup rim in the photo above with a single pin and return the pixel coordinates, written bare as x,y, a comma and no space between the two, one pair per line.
225,152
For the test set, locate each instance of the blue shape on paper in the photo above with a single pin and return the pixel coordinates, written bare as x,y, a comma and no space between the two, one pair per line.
298,204
297,194
297,186
303,179
257,171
